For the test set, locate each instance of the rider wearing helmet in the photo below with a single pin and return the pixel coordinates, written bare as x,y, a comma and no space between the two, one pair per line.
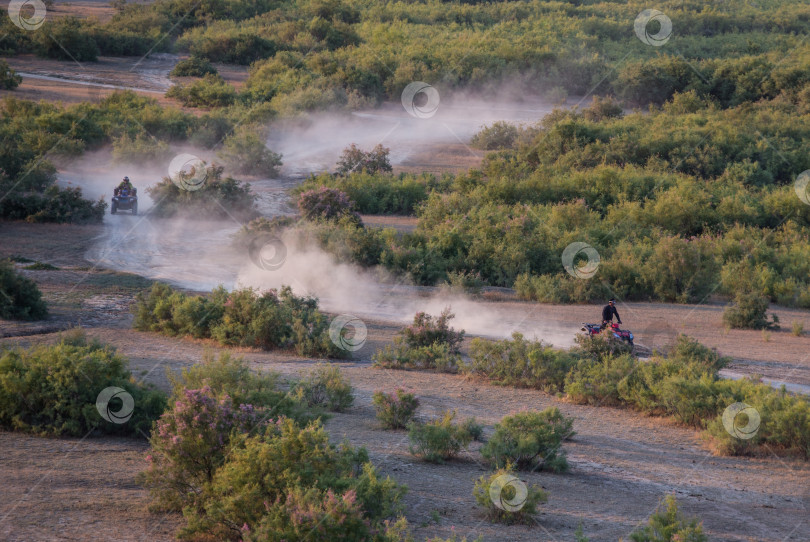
608,312
125,184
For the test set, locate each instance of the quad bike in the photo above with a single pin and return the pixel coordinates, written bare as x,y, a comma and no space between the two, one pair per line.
622,334
124,200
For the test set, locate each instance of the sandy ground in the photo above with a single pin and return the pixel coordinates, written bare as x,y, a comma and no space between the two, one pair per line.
622,462
74,82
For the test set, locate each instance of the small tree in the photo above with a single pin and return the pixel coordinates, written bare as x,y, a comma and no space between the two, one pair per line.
439,439
193,67
427,330
530,440
20,299
245,152
355,159
9,80
190,444
501,135
395,410
326,387
749,312
668,525
327,204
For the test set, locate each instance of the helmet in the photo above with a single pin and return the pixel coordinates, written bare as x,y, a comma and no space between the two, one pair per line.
126,178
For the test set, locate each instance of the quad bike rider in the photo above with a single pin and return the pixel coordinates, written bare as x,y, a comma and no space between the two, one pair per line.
608,312
125,198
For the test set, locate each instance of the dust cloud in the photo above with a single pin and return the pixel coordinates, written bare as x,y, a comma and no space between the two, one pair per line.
198,254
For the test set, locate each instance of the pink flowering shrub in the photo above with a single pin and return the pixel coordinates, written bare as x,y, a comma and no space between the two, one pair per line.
312,514
190,443
327,204
395,410
356,159
289,480
427,330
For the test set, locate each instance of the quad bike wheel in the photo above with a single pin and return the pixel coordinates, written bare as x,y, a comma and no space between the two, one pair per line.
135,212
113,209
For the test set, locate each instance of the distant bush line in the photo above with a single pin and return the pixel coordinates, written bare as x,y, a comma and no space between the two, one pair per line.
678,203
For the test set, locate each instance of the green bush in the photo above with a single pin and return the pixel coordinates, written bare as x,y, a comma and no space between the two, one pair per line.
326,387
244,151
521,363
428,343
203,193
438,440
784,424
596,382
66,38
230,47
530,441
193,67
36,199
53,390
436,356
668,525
501,135
749,312
9,80
210,91
511,506
602,109
306,483
274,319
395,410
20,299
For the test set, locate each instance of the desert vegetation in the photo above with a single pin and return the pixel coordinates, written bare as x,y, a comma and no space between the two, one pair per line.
53,390
672,217
20,298
679,168
683,384
272,319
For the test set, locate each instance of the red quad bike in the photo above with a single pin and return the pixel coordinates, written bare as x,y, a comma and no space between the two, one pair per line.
622,334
